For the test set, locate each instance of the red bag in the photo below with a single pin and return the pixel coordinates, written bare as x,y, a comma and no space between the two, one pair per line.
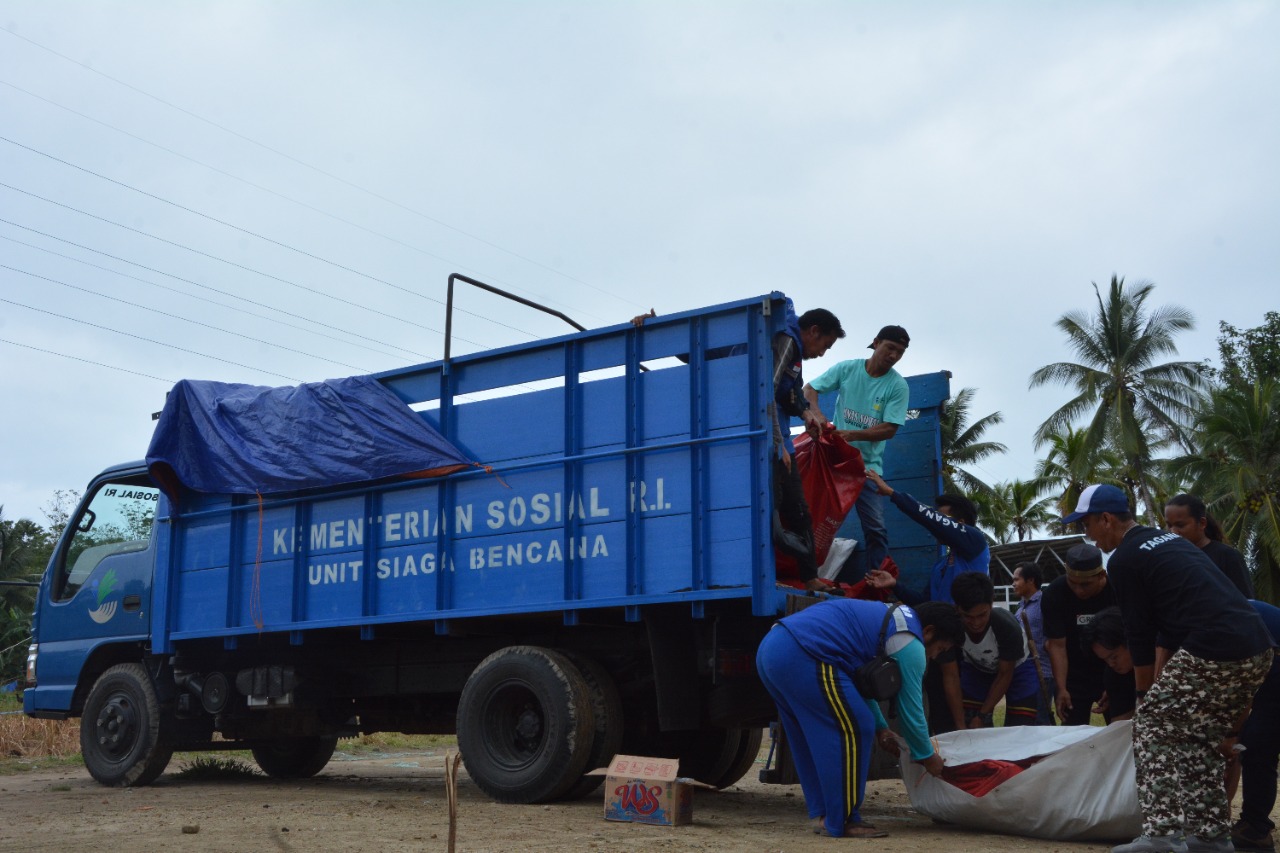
980,778
832,474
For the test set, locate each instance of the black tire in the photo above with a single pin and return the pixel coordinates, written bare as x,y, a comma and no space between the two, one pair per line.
705,754
606,707
126,739
294,757
525,725
748,750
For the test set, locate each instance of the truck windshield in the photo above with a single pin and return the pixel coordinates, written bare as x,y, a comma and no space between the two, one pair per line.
117,519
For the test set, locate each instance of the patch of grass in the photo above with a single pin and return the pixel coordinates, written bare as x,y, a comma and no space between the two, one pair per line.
396,742
26,743
217,768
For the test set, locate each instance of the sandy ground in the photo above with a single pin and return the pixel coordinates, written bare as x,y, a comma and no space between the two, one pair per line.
397,803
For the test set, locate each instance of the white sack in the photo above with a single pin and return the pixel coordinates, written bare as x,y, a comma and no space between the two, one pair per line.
840,551
1083,790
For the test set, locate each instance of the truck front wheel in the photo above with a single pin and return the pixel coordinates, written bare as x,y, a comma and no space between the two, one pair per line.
294,757
525,725
124,737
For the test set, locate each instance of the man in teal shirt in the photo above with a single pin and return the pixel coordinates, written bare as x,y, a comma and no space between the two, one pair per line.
871,403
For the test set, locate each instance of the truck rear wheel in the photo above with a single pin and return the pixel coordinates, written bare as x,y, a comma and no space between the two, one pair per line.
606,706
294,757
744,760
124,737
525,725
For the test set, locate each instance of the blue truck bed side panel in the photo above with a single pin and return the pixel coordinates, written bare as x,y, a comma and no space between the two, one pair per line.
613,486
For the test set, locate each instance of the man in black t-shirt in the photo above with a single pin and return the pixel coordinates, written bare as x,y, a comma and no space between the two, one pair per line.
1167,587
1069,603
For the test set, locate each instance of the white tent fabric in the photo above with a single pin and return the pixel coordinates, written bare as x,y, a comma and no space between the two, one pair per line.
1084,789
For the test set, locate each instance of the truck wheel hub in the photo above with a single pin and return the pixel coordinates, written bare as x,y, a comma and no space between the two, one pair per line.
117,723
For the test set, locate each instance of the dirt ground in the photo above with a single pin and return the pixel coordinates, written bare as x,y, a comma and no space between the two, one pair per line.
396,802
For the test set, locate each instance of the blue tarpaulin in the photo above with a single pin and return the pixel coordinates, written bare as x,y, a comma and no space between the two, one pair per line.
244,439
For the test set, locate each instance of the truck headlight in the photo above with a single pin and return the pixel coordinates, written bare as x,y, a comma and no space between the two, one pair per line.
32,651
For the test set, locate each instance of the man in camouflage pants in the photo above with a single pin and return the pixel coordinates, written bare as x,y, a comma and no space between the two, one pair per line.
1184,716
1167,588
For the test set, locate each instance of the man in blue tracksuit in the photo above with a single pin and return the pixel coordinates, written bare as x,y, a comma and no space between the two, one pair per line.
807,336
807,664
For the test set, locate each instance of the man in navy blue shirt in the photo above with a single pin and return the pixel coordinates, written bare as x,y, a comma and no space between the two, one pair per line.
1260,738
951,521
1167,587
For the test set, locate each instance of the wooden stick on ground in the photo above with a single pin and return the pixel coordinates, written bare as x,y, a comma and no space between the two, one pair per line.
451,762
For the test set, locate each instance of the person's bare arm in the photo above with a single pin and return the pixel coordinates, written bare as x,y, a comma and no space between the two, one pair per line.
1162,658
999,686
812,396
879,432
1057,649
951,687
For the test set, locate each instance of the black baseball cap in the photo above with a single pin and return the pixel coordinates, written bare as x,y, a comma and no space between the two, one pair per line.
897,334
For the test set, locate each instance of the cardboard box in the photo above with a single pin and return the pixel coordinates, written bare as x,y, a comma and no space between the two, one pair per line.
647,790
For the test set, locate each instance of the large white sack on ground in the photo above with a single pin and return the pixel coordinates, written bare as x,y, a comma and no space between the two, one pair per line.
1084,789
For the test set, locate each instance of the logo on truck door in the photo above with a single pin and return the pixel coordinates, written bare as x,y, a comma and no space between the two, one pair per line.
106,585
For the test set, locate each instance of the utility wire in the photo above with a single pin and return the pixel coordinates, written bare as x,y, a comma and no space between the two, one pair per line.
89,361
208,287
184,319
240,266
291,199
317,169
175,290
148,340
184,293
255,234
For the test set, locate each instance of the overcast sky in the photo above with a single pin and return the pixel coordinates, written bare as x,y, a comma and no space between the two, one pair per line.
962,169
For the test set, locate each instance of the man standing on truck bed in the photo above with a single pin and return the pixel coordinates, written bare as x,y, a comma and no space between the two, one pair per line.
805,337
870,406
809,336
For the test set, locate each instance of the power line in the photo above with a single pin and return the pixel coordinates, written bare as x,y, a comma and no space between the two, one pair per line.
184,319
318,170
203,287
240,266
283,196
182,292
148,340
254,234
88,361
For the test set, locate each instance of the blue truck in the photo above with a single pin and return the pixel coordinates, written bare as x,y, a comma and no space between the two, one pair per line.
598,585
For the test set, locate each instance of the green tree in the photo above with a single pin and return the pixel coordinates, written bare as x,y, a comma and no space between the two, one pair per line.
22,543
1237,472
1128,396
1014,509
1072,464
962,443
1251,355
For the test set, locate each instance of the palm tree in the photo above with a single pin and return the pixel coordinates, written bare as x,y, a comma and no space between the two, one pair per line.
993,514
1237,471
1072,464
1014,508
1131,398
962,443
